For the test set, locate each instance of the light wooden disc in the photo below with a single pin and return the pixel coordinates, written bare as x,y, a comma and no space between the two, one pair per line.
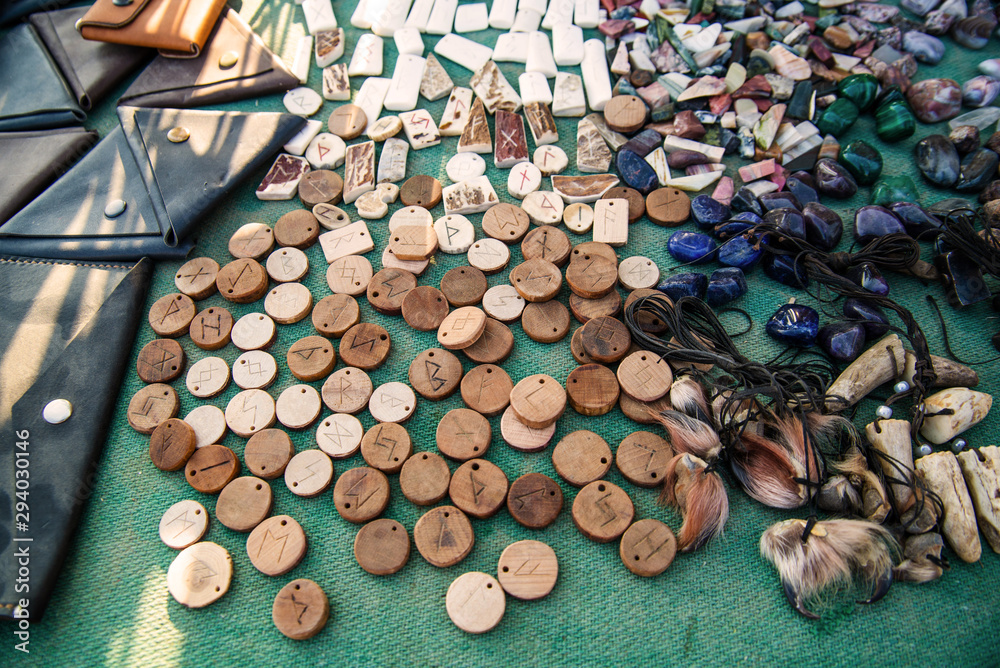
489,255
207,377
211,468
255,370
576,348
648,547
160,361
411,215
309,473
582,457
361,494
253,241
585,310
300,609
298,406
528,569
268,452
242,281
463,434
200,575
545,322
382,547
464,286
645,376
443,536
638,272
435,374
211,328
347,390
602,511
486,389
494,346
311,358
534,500
285,265
592,277
277,545
536,280
170,316
366,346
196,278
503,303
386,447
209,424
506,222
425,308
331,217
522,437
538,400
625,113
578,217
592,389
479,488
590,248
288,303
461,328
547,243
184,524
475,602
349,275
413,242
339,435
392,402
250,411
334,315
606,340
171,444
254,331
424,478
244,503
642,458
388,288
150,406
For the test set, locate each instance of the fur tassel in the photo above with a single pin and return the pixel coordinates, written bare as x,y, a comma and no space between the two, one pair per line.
701,498
690,435
688,396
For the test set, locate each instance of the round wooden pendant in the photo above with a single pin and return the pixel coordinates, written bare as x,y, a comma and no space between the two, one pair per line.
160,361
536,280
311,358
184,524
444,536
647,321
638,272
455,234
535,500
424,478
602,511
347,390
506,222
640,412
288,303
196,278
494,346
592,277
300,609
576,348
382,547
286,265
461,328
242,281
255,370
463,434
522,437
298,406
150,406
211,468
435,374
582,457
366,346
503,303
606,340
361,494
463,286
592,389
268,452
253,241
392,402
545,322
299,228
636,202
578,217
642,458
424,308
244,503
421,190
331,217
410,215
547,243
209,424
648,548
528,569
349,275
668,207
334,315
347,121
626,113
475,602
339,435
585,310
486,389
538,401
254,331
171,315
592,248
200,575
489,256
211,328
319,186
309,473
478,488
645,376
277,545
388,288
250,411
413,243
171,444
386,447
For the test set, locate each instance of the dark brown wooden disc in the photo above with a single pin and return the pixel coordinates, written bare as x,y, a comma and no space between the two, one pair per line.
253,240
298,229
642,457
196,278
592,389
590,248
478,488
424,308
361,494
311,358
602,511
464,286
463,434
388,288
211,468
648,547
444,536
625,113
386,447
211,328
636,202
333,315
300,609
586,309
382,547
581,457
242,281
170,316
347,121
424,478
421,190
592,276
267,453
668,207
486,389
366,345
244,503
506,222
535,500
435,374
576,348
493,346
548,243
171,444
545,322
160,361
319,186
536,280
606,340
150,406
647,321
642,412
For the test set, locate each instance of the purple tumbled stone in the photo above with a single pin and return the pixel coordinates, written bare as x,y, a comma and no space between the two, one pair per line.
843,341
833,180
875,221
935,100
824,227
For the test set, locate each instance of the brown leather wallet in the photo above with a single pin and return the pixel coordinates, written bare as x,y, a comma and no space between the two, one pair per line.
177,28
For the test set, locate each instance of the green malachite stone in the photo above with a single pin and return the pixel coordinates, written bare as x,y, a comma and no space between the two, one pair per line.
838,117
894,121
892,94
862,160
828,17
895,189
861,89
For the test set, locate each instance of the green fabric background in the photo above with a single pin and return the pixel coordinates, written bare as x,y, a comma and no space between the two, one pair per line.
722,604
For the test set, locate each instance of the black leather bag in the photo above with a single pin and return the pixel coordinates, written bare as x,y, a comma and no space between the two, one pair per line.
12,10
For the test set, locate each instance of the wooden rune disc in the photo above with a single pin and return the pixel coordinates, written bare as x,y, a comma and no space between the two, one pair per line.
489,256
413,243
528,569
299,228
668,207
475,602
211,328
494,346
626,113
602,511
160,361
209,424
582,457
642,457
501,302
435,374
592,389
548,243
311,358
286,264
171,444
254,331
590,248
545,322
277,545
478,488
506,222
648,547
647,321
361,494
300,609
171,315
332,316
464,286
349,275
461,328
638,272
339,435
421,190
366,346
200,575
640,412
522,437
244,503
645,376
586,309
250,411
592,276
386,447
392,402
207,377
287,303
388,288
184,524
538,400
298,406
536,280
535,500
268,452
424,478
254,370
576,348
463,434
150,406
486,389
309,473
382,547
211,468
242,281
347,121
347,390
636,202
606,340
196,278
318,186
253,241
424,308
443,536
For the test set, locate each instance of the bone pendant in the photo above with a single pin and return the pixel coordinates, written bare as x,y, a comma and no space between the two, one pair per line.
949,373
968,408
879,364
942,476
982,478
892,438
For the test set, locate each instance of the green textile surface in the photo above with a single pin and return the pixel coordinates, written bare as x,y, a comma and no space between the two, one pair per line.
721,604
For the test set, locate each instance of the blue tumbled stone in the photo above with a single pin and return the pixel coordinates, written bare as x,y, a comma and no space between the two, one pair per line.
707,212
749,217
785,270
794,325
868,277
962,278
802,186
871,317
789,221
779,200
731,228
693,247
874,221
740,252
915,219
843,341
684,285
636,172
745,201
725,285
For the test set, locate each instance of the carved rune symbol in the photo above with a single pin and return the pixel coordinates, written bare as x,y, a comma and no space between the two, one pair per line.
606,510
164,358
387,443
191,278
184,521
393,290
604,332
522,570
357,489
300,609
652,549
533,277
640,270
207,325
275,540
520,498
432,369
306,353
173,308
391,400
367,342
477,487
652,453
337,434
198,572
147,406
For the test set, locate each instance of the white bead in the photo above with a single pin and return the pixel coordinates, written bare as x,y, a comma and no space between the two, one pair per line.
958,445
884,412
57,411
924,450
900,387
